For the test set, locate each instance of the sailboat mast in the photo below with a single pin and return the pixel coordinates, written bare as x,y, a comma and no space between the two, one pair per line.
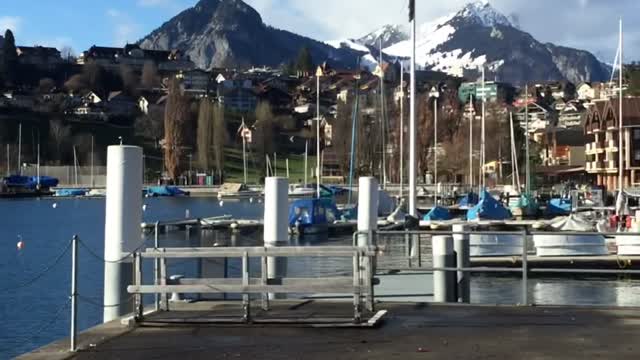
471,111
382,123
38,165
482,136
401,130
620,124
20,149
526,131
412,119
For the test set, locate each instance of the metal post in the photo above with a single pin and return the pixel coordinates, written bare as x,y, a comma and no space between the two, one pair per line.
443,281
8,160
482,136
461,248
306,161
435,151
471,116
525,269
93,184
526,129
74,291
156,264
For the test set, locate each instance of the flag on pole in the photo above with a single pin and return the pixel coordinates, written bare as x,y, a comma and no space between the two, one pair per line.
412,10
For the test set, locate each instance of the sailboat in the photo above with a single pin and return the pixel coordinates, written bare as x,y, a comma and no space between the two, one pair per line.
19,186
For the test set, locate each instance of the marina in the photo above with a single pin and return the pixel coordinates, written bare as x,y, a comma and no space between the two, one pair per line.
436,217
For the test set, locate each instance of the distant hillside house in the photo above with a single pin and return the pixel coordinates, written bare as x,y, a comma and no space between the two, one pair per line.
195,80
238,99
134,56
42,57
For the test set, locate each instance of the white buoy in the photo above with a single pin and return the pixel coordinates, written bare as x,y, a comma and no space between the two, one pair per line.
20,243
55,205
367,209
144,207
276,223
122,232
221,203
251,200
187,214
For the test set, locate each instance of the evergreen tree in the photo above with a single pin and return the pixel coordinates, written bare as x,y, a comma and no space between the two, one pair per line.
304,63
10,58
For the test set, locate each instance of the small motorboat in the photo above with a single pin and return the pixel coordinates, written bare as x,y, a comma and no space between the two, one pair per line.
17,186
71,192
312,216
237,191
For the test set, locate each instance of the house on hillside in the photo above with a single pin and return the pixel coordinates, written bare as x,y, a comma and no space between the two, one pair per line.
132,55
602,148
238,99
195,80
121,104
571,114
540,117
39,56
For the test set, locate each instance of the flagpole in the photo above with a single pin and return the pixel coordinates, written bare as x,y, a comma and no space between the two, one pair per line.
412,119
318,155
482,136
471,115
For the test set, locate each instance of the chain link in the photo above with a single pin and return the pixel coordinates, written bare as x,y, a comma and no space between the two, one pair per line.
95,255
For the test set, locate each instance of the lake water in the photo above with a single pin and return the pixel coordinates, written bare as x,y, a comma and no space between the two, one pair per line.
35,313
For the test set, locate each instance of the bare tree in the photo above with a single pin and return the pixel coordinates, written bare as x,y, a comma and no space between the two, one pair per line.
77,83
342,130
68,54
263,134
45,85
130,80
205,133
60,136
220,137
150,77
177,113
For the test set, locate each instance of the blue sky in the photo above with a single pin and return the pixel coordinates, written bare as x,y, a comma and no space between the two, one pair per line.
584,24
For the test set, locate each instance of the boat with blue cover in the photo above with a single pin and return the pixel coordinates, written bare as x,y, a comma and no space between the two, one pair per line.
558,207
438,213
312,216
27,186
71,192
488,244
165,191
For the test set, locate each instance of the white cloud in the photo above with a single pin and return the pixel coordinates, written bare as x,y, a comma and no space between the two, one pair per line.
155,3
10,22
125,30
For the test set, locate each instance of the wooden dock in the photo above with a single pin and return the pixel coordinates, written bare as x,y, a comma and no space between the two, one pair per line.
612,262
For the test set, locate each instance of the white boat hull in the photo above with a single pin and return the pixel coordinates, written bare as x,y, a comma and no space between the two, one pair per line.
570,245
628,245
495,245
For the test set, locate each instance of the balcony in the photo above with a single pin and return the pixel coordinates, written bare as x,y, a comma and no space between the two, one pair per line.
594,148
612,165
612,146
594,166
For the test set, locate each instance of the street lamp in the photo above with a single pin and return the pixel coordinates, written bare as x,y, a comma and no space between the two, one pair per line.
434,93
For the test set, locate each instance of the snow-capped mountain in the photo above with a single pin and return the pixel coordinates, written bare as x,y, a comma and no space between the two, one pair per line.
389,34
478,35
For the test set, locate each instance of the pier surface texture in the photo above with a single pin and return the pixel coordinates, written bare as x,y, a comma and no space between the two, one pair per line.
409,331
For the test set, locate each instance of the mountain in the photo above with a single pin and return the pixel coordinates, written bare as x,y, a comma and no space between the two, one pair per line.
389,34
218,33
479,34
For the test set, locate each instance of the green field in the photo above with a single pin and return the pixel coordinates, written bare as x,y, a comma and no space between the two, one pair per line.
234,172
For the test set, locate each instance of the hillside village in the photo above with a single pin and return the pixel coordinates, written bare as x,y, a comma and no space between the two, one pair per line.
188,118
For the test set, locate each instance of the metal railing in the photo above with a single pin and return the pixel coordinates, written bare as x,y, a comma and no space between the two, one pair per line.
413,240
360,284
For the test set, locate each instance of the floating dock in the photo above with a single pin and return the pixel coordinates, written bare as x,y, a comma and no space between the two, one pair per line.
409,331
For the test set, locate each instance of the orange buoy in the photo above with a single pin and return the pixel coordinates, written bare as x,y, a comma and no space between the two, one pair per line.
20,245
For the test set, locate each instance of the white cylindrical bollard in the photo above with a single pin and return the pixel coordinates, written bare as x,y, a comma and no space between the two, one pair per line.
367,209
173,280
276,210
443,281
276,223
461,249
122,232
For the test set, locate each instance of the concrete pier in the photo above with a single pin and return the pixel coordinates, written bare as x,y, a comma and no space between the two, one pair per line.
410,331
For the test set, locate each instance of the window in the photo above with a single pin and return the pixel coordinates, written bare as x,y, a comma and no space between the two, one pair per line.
636,155
636,134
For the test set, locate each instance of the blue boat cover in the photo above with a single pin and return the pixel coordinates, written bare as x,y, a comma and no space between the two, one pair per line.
30,182
71,192
165,191
307,212
488,209
561,206
469,200
438,213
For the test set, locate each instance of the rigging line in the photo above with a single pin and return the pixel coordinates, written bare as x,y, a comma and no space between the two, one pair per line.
42,273
101,306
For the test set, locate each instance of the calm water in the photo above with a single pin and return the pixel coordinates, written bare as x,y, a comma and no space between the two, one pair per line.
38,314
